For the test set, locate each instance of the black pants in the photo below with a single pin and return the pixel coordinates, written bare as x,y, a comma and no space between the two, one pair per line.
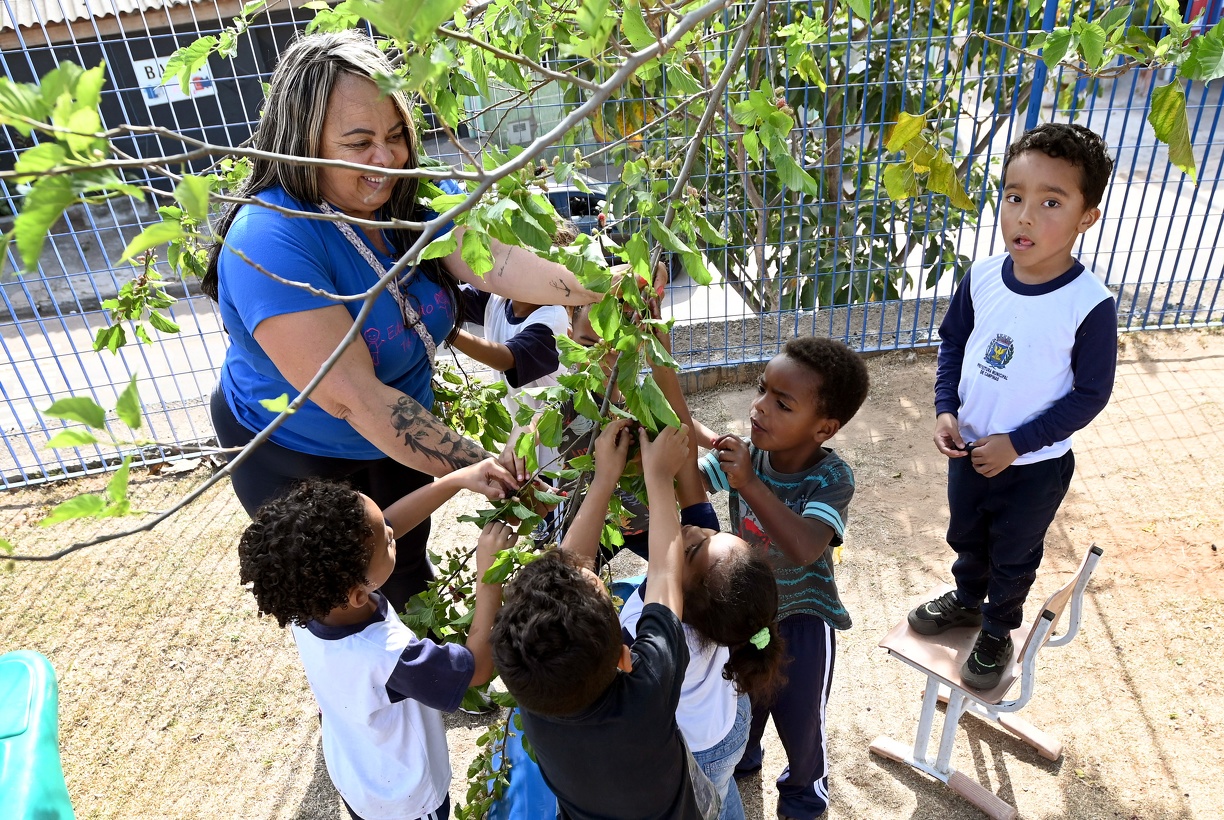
799,716
997,528
271,470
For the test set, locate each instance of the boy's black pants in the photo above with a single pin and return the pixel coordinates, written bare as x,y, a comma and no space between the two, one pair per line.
997,528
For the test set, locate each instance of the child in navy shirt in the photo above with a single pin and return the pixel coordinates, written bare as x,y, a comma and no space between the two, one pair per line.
1027,356
315,558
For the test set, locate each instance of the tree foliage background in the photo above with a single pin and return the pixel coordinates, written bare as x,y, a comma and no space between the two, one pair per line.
814,153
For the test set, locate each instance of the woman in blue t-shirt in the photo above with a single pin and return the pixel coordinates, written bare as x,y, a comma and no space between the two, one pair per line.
368,421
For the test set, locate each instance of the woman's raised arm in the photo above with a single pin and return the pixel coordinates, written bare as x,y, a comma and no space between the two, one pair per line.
397,424
519,274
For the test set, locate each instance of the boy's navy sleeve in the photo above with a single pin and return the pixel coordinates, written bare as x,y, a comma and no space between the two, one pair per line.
954,333
1094,360
700,515
474,302
535,354
433,674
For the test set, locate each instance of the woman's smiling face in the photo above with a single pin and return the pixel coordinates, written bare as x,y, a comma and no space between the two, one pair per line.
365,128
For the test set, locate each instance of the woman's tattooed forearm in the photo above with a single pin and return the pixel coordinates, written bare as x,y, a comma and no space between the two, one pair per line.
423,433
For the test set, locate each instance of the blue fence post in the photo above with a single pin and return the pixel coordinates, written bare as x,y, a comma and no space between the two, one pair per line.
1039,70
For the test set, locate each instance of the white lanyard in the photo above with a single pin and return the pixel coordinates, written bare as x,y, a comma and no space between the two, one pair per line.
398,288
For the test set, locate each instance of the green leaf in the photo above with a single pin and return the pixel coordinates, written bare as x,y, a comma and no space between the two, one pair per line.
111,338
591,15
21,101
71,438
1056,46
476,252
1168,119
412,21
277,405
117,487
443,203
163,323
1092,44
156,234
1116,17
667,239
83,506
862,8
42,157
789,171
1034,6
634,25
908,127
192,194
77,408
943,180
42,207
1171,16
185,62
551,426
605,317
440,246
900,182
1206,60
657,402
128,406
6,547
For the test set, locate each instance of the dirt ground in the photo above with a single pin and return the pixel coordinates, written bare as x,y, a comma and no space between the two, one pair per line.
177,700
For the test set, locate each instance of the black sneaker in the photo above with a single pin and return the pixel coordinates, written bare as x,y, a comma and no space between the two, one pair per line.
942,614
987,661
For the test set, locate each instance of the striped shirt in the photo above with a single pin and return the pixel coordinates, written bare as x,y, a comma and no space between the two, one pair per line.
822,493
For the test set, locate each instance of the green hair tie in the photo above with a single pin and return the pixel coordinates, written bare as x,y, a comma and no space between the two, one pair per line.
761,639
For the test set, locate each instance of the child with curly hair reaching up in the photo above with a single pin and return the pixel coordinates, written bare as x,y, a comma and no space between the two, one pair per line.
315,558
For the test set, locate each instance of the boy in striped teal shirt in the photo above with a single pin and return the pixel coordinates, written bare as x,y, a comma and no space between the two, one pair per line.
789,499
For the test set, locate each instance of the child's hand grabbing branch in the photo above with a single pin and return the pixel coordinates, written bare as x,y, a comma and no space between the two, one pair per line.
663,457
736,462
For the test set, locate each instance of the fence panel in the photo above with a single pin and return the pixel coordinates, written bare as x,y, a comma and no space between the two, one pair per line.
850,263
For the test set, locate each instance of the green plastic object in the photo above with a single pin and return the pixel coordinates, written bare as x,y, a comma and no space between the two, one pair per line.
31,778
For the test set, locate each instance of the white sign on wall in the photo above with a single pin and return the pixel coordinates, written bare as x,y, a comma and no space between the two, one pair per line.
149,74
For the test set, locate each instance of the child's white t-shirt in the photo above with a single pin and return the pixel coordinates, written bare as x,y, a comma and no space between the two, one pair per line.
380,689
501,326
706,711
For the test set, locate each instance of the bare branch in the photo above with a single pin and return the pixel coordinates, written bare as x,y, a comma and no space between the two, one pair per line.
523,61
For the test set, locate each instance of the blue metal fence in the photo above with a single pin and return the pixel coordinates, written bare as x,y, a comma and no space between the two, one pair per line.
838,265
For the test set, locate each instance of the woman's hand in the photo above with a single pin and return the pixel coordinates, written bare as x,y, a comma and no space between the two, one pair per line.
489,478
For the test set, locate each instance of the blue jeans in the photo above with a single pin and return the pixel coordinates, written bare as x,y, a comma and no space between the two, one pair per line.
718,761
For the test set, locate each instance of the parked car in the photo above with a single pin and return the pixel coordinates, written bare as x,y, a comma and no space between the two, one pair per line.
586,210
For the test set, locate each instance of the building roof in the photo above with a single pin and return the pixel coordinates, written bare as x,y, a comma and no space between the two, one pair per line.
33,13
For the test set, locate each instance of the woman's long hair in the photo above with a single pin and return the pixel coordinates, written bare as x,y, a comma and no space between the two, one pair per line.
292,124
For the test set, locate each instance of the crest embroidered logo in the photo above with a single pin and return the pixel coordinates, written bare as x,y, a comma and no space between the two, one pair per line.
1000,351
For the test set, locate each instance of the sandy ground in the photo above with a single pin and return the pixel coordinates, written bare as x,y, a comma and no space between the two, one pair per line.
177,700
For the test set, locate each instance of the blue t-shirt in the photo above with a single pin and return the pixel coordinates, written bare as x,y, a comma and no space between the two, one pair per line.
315,252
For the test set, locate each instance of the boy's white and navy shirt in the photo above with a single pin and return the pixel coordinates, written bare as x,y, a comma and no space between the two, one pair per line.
822,493
381,691
1034,361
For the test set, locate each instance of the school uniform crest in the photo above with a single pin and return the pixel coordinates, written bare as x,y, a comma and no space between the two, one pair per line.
1000,351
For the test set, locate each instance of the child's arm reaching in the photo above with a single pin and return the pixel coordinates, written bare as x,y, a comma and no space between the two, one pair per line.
611,452
487,477
691,488
661,460
801,539
496,536
492,354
